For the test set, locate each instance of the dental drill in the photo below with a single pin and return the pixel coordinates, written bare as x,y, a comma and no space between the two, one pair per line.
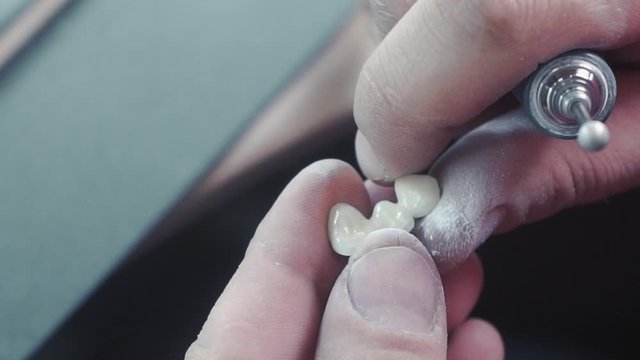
571,97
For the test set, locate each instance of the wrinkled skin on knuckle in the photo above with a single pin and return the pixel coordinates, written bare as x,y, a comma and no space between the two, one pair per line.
506,23
379,105
525,23
610,23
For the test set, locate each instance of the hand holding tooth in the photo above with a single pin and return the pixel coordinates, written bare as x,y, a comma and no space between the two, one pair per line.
293,298
417,196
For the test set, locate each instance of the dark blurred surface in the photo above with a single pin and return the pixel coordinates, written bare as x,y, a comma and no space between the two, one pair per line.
564,288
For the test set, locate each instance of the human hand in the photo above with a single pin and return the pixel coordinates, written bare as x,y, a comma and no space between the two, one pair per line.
441,71
293,298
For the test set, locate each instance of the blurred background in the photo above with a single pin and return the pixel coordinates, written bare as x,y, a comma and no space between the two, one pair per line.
141,141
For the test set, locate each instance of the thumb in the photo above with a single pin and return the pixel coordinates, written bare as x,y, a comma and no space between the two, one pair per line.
388,303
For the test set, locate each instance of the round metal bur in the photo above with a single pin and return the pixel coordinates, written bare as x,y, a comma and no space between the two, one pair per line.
592,135
571,97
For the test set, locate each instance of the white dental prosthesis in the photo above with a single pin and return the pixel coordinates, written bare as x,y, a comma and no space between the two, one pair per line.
417,196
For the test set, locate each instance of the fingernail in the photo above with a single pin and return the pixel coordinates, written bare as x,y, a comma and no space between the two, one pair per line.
369,163
396,288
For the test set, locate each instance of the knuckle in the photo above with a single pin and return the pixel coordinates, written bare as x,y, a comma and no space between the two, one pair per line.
378,104
508,22
606,22
520,22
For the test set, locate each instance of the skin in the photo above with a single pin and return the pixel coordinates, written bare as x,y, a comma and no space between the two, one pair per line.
442,68
439,74
292,297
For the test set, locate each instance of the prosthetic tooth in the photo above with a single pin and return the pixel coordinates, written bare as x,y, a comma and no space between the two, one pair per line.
389,215
347,229
418,194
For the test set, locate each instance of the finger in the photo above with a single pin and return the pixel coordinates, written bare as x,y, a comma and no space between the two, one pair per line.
386,13
444,62
462,287
379,193
476,339
388,303
271,308
504,174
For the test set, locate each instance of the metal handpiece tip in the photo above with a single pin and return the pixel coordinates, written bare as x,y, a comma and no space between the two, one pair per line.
593,136
581,112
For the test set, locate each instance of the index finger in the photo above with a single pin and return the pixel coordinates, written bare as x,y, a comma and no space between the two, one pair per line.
446,61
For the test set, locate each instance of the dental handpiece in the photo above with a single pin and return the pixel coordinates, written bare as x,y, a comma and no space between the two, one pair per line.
571,97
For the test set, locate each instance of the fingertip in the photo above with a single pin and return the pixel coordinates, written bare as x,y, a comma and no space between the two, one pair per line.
388,300
396,289
301,212
379,192
369,163
315,190
476,339
392,237
289,254
454,230
462,288
323,174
